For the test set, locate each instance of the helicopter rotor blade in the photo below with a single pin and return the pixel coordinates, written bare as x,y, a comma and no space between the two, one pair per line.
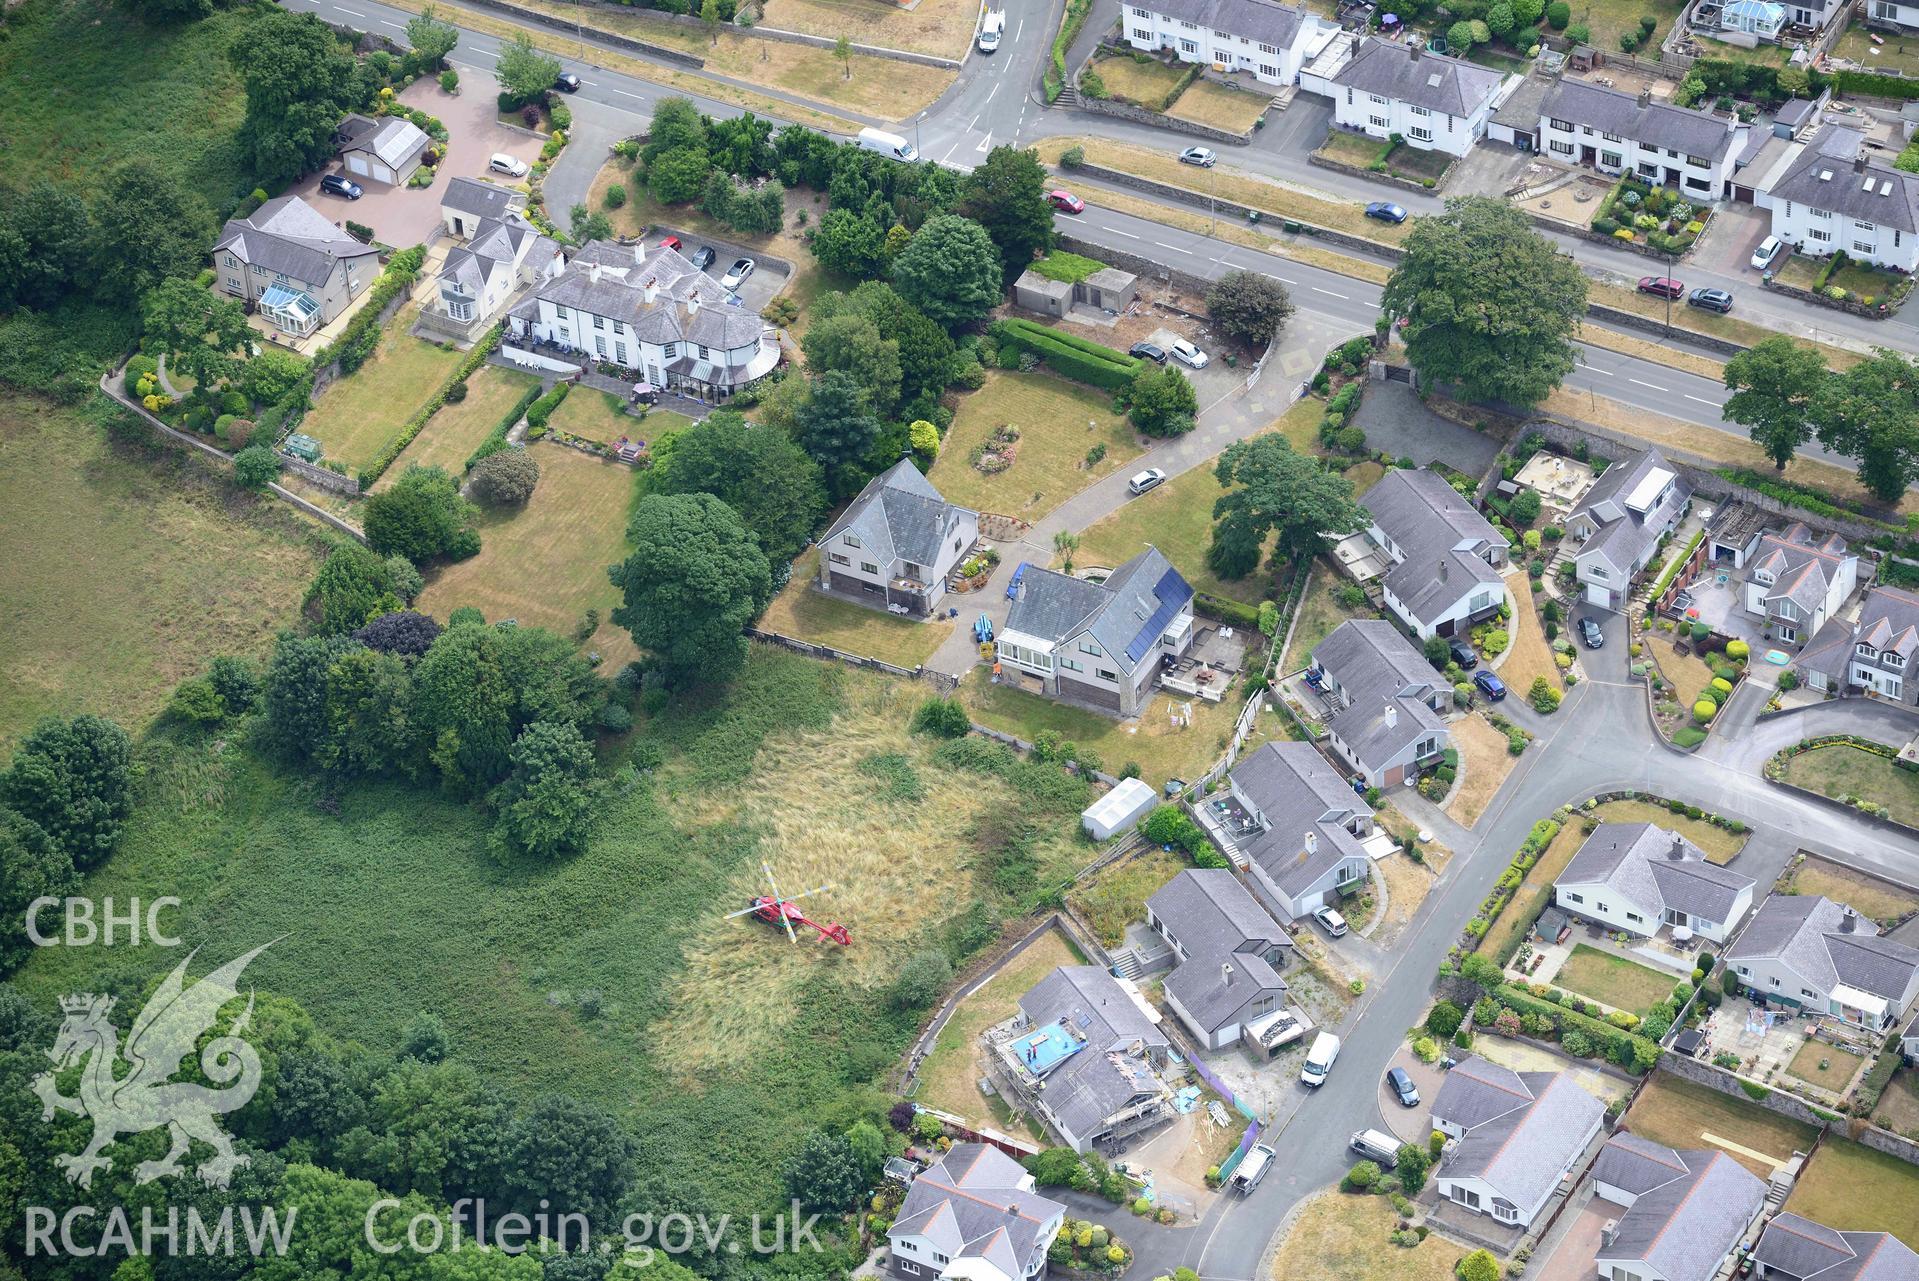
817,889
779,903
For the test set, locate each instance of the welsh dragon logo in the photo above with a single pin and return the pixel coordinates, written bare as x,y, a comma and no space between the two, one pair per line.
145,1096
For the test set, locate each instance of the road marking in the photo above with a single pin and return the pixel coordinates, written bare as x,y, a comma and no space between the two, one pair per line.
1702,400
1329,293
1653,386
950,150
349,11
1163,245
1017,30
974,122
1281,279
591,84
991,92
985,143
1117,232
396,26
624,94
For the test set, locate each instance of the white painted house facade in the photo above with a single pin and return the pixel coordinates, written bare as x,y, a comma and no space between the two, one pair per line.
1265,40
1433,103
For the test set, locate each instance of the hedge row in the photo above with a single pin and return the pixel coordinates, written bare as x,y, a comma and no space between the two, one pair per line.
1818,502
496,439
1235,613
1072,357
372,472
1506,888
362,333
1872,84
1632,1052
542,409
1678,562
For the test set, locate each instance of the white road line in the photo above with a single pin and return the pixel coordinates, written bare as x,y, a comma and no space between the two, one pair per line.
1329,293
991,92
1653,386
1163,245
1117,232
974,122
624,94
1702,400
396,26
1019,29
986,143
950,150
349,11
1281,279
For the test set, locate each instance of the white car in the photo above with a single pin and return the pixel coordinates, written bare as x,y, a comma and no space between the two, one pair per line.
1762,257
1332,921
1201,156
1151,478
990,32
1187,354
736,277
503,163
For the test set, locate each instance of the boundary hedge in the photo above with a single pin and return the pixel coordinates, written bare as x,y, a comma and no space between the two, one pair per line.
1068,355
496,439
357,340
1628,1050
371,473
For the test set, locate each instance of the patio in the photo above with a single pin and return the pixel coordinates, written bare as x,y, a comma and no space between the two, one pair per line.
1658,951
1780,1050
1361,560
1559,482
1718,597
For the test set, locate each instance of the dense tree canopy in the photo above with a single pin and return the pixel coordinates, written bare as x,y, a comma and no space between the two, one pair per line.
32,864
352,586
1870,413
761,474
1772,385
44,245
1164,402
1007,196
853,344
74,779
1249,306
523,71
836,426
146,227
823,1174
925,352
432,39
422,517
505,479
545,807
950,271
694,580
1271,490
846,241
299,81
204,335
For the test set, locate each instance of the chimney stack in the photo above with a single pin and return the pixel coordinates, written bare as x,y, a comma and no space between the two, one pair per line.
1849,922
1645,98
652,289
1442,569
1225,973
693,305
1412,47
1859,163
639,252
1392,714
593,272
1312,841
1678,850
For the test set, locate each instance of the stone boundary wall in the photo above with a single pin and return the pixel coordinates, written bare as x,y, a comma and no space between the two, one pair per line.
1188,196
324,477
1141,266
1880,311
1161,120
555,22
1717,1078
1381,176
1646,324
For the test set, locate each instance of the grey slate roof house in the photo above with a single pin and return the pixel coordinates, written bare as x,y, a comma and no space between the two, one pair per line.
1619,523
478,277
1636,878
975,1216
1434,102
1084,1054
1263,39
895,544
1100,644
292,265
467,202
1826,202
1616,132
1825,958
1686,1211
1385,723
1297,825
1515,1135
1230,953
1794,1248
1873,653
1796,580
1445,556
386,150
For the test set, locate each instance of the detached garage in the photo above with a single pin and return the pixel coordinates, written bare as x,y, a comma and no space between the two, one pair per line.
385,151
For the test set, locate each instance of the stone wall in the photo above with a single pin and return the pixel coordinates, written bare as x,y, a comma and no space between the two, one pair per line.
325,477
1380,175
1143,267
1716,1078
1878,311
1646,324
1160,120
557,22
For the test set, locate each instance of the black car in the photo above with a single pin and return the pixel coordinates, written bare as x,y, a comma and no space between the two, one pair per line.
1462,654
1386,211
1147,351
1717,300
703,257
339,185
1402,1085
567,82
1589,632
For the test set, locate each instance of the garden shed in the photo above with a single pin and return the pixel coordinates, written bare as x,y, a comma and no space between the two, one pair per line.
1119,809
302,446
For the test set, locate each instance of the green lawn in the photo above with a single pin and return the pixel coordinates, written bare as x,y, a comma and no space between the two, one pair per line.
456,431
1115,897
356,416
805,614
123,575
1862,279
1721,846
1144,83
1898,53
1682,1115
1060,423
1319,614
1847,771
1855,1189
1825,1065
598,416
1339,1236
1618,982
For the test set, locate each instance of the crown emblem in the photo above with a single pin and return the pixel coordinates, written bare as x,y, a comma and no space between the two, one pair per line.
82,1002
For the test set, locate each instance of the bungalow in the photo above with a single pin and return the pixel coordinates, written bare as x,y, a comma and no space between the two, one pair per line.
1267,40
1445,556
1794,1248
1893,14
1869,210
1385,701
1662,144
1230,953
1796,580
1872,653
1434,103
1686,1211
1811,953
292,265
386,150
1514,1136
1619,523
1635,877
1099,644
973,1217
1297,825
895,544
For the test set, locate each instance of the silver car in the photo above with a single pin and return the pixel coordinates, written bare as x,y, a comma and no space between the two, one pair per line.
1201,156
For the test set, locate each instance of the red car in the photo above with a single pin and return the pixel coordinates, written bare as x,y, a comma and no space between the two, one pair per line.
1066,202
1661,287
671,242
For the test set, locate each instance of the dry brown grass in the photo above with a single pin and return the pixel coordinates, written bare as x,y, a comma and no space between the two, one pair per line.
942,27
1647,349
1407,884
1144,83
1682,1115
1880,900
1060,423
1531,655
1233,110
1720,845
1319,613
1697,320
1484,763
1826,1066
456,431
1534,891
1114,897
1339,1236
806,614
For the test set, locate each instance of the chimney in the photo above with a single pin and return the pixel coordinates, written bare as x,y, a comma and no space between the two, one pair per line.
652,289
1225,973
1608,1232
693,306
1358,42
1678,850
1413,49
1859,163
1645,98
1442,569
1849,922
639,252
593,272
1392,714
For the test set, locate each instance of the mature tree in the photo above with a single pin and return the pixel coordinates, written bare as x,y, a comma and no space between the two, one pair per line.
823,1174
404,579
369,700
255,467
293,691
926,353
237,681
43,245
711,20
505,479
761,474
678,176
676,124
271,374
32,865
587,225
1249,306
1772,385
421,517
837,427
463,707
920,979
1870,413
694,580
402,631
1489,305
1272,490
432,39
545,807
1414,1161
202,334
74,780
1483,970
523,71
147,226
431,1129
741,145
175,10
1007,196
951,271
299,81
848,242
351,587
1164,402
570,1153
853,345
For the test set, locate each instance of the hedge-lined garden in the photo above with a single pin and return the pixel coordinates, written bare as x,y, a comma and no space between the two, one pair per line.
1067,354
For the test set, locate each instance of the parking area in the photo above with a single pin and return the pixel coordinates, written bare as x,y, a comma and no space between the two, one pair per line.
1410,1124
403,216
1572,1258
1736,231
769,274
1397,422
1212,382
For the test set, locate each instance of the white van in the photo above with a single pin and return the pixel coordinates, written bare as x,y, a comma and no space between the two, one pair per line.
1259,1159
890,145
1376,1146
1319,1060
991,30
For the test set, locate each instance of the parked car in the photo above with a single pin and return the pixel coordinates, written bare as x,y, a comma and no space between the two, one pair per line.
1187,354
736,277
991,30
335,184
1259,1159
1402,1083
1151,478
1331,921
703,256
1718,300
1462,654
1490,685
1589,632
1201,156
1661,287
1769,250
1386,211
1376,1146
1065,201
671,242
503,163
1147,351
567,82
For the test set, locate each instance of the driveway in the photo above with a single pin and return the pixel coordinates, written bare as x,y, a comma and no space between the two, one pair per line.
1736,231
1410,1124
1396,423
768,278
1572,1258
402,216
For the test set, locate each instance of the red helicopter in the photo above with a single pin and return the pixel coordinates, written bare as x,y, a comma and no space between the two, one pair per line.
776,909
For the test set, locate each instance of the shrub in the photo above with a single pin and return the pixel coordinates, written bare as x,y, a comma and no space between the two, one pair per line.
1480,1265
1069,355
1444,1018
1543,696
1361,1177
615,196
942,718
1704,710
1558,14
505,479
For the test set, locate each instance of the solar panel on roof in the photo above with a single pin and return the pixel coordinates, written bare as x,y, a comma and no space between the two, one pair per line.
1173,592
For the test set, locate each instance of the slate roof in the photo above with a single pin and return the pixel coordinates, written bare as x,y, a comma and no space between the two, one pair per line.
495,245
1683,1225
1859,188
1621,542
1126,614
1808,935
1295,791
396,141
1888,620
1637,860
1803,566
481,199
1261,21
1107,1075
1374,663
1637,1165
976,1203
1522,1153
1653,123
1411,74
1440,536
1801,1248
606,279
1218,922
289,236
898,516
1476,1091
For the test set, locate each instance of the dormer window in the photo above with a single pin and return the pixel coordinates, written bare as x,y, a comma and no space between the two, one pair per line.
1893,658
851,541
1865,651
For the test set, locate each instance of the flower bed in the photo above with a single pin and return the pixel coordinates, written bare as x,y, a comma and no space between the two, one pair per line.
1659,218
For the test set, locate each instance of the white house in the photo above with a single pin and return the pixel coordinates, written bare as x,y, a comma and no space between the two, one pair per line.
1434,103
1297,825
896,543
1619,523
1445,557
1892,13
468,202
1230,952
973,1217
1267,40
1685,1211
1513,1137
1099,644
1826,202
1873,653
1615,132
1823,957
502,255
1635,877
1796,580
1385,701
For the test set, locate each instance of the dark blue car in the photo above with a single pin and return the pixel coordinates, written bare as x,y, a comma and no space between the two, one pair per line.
1386,211
1490,685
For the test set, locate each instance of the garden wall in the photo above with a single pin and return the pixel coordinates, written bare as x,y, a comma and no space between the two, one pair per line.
1160,120
1718,1078
1878,311
1646,324
1378,175
1139,265
557,23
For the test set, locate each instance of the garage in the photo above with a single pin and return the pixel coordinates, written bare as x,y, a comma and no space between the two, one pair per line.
1598,595
385,151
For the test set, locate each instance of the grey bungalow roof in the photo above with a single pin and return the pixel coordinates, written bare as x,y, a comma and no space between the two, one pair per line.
1261,21
1860,188
1826,944
1224,932
1640,118
1111,1072
1440,534
481,199
289,236
394,140
1888,620
1374,663
1476,1091
1654,870
1684,1224
1126,614
1522,1153
1799,1247
1409,73
978,1202
1295,792
898,516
